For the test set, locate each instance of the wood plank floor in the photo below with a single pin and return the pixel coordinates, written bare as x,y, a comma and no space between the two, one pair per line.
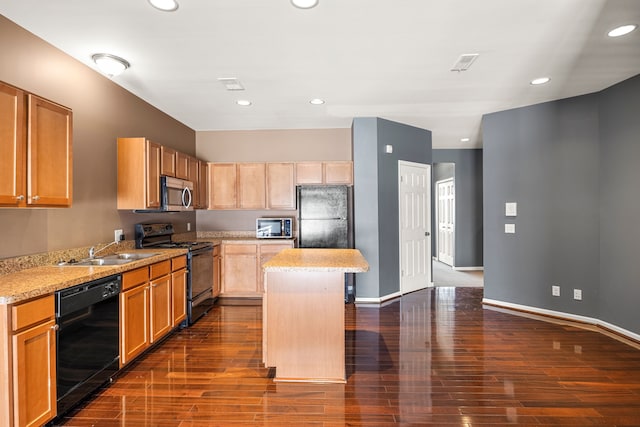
434,357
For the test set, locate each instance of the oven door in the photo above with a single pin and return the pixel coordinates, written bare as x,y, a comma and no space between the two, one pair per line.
200,288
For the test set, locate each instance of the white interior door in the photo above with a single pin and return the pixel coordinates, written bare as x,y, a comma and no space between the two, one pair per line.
415,224
446,220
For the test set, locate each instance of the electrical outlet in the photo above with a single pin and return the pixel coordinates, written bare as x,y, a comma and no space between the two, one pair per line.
577,294
555,291
118,236
188,226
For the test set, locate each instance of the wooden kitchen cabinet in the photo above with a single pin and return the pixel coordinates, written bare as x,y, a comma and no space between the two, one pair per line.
139,165
36,161
168,163
240,270
160,300
281,186
309,173
134,314
242,267
178,290
217,270
203,185
182,165
193,175
338,173
251,185
222,186
28,371
329,173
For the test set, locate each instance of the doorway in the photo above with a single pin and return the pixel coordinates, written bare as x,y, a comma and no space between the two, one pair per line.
445,219
414,181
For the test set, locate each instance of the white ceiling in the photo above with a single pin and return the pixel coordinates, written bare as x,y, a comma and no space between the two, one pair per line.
383,58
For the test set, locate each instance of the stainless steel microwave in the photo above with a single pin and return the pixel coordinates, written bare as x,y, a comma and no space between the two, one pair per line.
175,194
274,228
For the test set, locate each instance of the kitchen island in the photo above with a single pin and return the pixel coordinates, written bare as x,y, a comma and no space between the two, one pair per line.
303,313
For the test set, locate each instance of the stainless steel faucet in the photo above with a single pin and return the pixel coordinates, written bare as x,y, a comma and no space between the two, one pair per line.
93,252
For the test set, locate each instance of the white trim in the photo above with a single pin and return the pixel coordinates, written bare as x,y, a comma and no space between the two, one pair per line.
378,300
480,268
565,316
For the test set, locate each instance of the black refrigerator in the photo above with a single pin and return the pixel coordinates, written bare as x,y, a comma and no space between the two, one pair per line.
325,220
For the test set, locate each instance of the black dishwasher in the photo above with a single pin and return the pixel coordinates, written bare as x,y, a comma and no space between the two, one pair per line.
87,340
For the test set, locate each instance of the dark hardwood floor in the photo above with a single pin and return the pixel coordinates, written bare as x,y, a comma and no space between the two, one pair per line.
434,357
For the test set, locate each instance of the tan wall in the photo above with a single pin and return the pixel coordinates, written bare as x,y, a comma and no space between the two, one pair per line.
274,145
102,111
265,146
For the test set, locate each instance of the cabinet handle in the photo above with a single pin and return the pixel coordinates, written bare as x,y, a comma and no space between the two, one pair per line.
35,198
55,327
20,198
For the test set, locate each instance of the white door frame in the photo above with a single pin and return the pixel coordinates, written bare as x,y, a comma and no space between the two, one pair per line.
427,274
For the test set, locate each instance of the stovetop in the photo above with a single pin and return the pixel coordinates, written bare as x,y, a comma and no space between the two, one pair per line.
160,235
193,246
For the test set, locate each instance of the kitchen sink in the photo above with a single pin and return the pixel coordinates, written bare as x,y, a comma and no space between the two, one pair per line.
110,260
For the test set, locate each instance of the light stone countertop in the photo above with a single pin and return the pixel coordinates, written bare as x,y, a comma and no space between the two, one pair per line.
317,260
39,281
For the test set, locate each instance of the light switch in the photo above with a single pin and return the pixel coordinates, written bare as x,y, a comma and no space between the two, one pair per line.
510,228
511,209
388,148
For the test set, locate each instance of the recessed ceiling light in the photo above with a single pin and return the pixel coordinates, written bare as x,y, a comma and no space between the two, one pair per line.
304,4
464,139
243,102
109,64
165,5
622,30
316,101
540,81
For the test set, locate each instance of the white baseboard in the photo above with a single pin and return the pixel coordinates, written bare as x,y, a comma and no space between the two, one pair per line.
379,300
480,268
565,316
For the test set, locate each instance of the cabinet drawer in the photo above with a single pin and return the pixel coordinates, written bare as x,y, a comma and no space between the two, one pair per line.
135,277
160,269
240,249
32,312
178,262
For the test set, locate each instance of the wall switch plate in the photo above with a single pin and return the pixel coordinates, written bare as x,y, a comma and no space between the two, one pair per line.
555,291
577,294
510,228
188,226
510,209
118,236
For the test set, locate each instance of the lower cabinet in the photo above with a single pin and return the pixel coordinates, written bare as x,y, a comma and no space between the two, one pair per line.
242,267
28,372
217,270
150,304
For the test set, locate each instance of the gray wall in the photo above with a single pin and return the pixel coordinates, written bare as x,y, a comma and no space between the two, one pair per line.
572,167
468,207
620,204
376,197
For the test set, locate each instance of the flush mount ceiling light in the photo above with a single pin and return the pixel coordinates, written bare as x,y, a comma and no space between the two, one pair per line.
243,102
464,139
304,4
540,81
622,30
164,5
109,64
316,101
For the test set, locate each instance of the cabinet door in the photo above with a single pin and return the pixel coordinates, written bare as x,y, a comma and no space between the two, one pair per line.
153,162
217,271
338,173
222,185
308,173
134,323
12,147
178,296
251,186
193,175
182,165
168,164
240,274
281,186
160,307
49,154
203,184
34,366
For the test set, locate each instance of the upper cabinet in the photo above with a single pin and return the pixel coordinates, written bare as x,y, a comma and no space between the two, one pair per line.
251,185
237,185
281,186
222,186
139,164
332,172
168,164
203,185
36,159
182,166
